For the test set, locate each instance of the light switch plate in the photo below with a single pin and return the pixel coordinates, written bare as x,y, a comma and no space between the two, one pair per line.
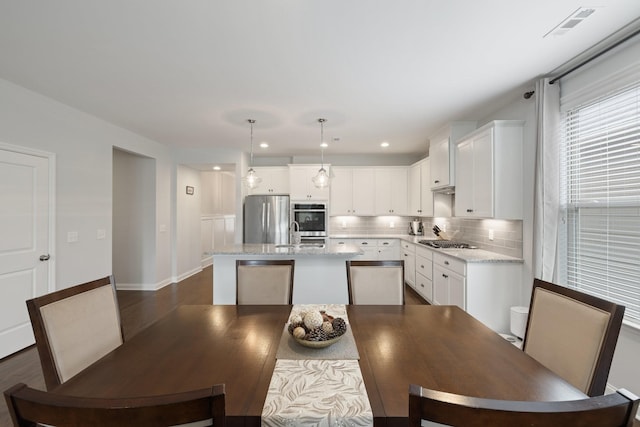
101,233
72,237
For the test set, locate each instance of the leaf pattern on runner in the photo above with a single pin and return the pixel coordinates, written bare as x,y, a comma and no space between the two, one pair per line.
323,393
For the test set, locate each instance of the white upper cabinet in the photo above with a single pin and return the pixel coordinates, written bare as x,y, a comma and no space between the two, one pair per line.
391,190
420,195
489,172
352,191
442,153
301,186
275,180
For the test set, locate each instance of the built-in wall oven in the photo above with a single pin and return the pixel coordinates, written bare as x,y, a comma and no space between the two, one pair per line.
312,218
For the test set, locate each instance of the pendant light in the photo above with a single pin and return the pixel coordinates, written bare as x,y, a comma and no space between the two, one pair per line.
251,180
321,180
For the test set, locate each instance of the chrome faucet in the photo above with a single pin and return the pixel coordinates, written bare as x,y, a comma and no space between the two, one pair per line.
295,232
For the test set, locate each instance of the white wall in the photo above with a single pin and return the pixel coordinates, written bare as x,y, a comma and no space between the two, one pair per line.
134,211
83,146
189,208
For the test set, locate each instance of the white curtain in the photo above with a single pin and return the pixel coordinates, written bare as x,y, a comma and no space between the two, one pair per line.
547,176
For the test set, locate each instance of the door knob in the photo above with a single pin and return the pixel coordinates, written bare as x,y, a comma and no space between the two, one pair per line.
45,257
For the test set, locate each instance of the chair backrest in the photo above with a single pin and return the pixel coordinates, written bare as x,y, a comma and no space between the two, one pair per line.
264,282
611,410
28,406
74,327
376,282
573,334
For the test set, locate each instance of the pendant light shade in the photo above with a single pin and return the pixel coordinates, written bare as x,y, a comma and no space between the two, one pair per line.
321,180
251,179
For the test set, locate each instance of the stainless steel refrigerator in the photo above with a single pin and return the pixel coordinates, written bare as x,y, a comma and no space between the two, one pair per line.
266,219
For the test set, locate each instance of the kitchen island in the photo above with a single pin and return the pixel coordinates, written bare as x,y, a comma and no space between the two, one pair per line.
320,274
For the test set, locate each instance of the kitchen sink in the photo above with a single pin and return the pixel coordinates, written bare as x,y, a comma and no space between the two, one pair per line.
301,245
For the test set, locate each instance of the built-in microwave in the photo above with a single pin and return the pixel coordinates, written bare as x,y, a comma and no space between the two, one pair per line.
312,219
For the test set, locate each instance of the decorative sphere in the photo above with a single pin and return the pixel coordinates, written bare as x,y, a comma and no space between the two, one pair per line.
313,319
296,319
299,332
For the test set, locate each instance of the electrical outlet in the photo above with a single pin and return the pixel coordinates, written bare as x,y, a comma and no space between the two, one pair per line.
392,224
101,233
72,237
491,234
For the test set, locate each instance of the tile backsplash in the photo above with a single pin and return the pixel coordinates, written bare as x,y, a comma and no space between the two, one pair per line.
506,234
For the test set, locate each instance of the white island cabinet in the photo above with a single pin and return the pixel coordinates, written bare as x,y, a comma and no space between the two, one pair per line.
319,275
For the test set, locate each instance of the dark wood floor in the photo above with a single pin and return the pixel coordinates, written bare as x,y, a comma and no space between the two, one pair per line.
138,309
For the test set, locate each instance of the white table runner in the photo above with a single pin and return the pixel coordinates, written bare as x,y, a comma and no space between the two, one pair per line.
322,393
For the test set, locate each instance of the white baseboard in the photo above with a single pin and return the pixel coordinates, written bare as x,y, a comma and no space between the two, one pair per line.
143,286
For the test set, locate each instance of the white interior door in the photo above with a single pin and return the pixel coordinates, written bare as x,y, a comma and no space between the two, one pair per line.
24,231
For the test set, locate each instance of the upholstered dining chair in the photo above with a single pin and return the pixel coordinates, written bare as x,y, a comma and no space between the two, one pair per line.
611,410
376,282
268,282
573,334
29,407
75,327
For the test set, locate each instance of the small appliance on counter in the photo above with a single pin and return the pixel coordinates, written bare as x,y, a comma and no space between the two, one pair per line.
415,228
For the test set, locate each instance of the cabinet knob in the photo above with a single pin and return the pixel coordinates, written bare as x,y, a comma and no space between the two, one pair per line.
437,181
421,285
469,210
364,243
406,254
446,263
445,276
385,243
422,266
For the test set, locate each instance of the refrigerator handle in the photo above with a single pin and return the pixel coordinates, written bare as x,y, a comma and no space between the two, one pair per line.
263,224
269,215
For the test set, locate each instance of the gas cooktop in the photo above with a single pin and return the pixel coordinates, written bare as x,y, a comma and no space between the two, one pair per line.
446,244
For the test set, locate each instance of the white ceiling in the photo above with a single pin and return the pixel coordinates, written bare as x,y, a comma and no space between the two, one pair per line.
189,73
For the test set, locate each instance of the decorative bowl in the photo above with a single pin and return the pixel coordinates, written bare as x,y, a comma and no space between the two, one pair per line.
318,344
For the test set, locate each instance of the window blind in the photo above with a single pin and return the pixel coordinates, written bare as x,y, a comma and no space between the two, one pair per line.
600,165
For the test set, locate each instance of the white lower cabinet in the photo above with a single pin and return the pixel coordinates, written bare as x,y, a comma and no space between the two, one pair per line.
485,290
448,281
424,273
409,256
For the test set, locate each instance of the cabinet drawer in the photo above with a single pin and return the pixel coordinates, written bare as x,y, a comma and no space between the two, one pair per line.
424,286
365,243
423,266
455,265
424,252
408,247
388,243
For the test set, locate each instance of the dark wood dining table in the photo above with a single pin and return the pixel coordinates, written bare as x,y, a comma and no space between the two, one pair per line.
438,347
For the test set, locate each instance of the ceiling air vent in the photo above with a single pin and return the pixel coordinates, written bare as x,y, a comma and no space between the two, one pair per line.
571,21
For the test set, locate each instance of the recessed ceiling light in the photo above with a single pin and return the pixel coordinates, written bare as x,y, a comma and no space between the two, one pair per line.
324,145
264,145
385,144
216,168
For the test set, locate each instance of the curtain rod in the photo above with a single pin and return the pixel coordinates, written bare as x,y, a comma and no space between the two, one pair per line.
597,55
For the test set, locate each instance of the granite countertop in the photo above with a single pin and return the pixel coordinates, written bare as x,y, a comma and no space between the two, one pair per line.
468,255
269,249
